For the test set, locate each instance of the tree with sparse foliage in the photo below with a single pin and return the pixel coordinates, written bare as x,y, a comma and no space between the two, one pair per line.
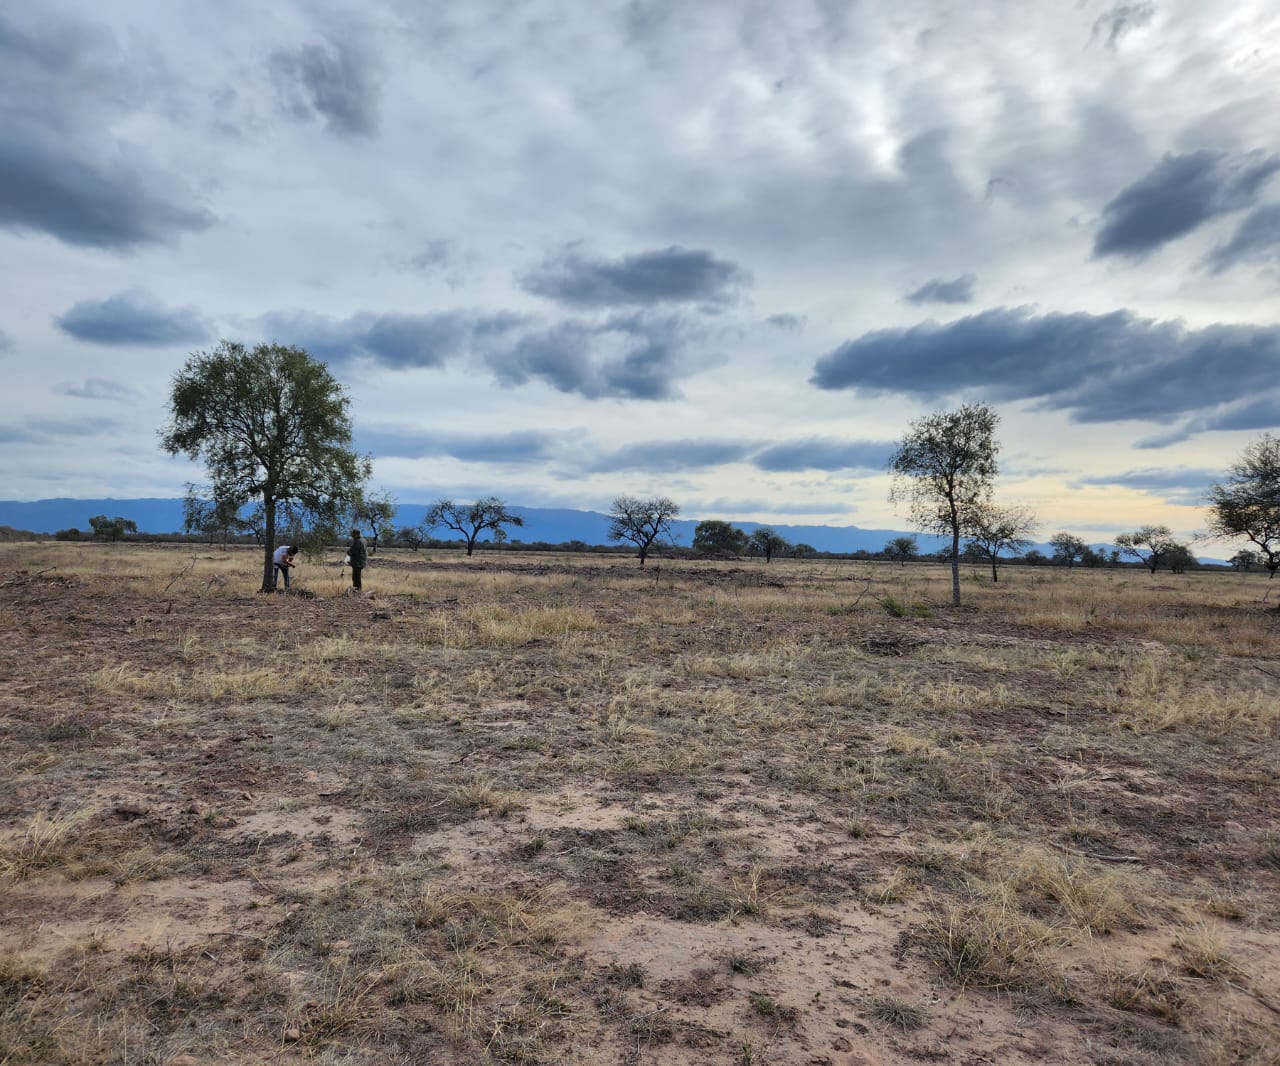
471,519
641,521
767,542
902,550
1068,549
215,520
375,512
411,537
1001,531
1247,504
714,537
1245,560
1150,545
944,469
112,529
272,427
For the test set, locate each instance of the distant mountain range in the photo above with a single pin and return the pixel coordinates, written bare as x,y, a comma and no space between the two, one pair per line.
550,524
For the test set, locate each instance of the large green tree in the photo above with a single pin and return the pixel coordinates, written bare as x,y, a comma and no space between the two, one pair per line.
1247,505
944,470
715,537
272,427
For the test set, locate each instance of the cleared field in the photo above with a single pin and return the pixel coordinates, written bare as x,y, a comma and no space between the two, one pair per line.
541,809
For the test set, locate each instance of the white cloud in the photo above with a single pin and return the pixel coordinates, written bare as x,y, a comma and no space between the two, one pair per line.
675,210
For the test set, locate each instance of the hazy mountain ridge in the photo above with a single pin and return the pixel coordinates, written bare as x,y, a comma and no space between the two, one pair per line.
553,525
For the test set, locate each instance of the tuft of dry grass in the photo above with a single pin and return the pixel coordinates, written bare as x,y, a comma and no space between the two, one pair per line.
985,945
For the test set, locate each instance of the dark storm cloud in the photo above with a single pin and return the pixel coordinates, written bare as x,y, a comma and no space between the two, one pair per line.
133,318
6,342
98,389
1099,367
62,172
1256,240
669,275
637,357
1262,412
939,291
786,321
1122,18
1179,194
520,447
824,454
336,80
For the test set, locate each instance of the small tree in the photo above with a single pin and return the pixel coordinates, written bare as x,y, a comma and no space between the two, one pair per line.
1035,557
767,542
272,427
1093,559
1247,504
901,550
112,529
641,521
1245,560
213,519
1068,549
944,469
714,537
1179,558
411,537
471,519
803,551
1001,530
375,511
1150,545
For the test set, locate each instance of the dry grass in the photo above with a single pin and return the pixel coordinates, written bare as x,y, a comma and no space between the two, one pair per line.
500,811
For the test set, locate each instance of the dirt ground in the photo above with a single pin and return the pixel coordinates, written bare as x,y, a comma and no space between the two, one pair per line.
557,809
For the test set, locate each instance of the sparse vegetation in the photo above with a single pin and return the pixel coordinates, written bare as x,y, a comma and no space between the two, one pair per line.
550,810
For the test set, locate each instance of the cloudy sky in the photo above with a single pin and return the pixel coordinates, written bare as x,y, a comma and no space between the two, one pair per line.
724,251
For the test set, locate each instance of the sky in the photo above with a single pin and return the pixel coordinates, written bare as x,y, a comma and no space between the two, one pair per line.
720,251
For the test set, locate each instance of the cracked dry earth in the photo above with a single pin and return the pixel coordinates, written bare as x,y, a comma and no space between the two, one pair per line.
557,810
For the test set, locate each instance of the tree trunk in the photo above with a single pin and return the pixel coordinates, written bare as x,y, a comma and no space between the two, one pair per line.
269,539
995,575
955,569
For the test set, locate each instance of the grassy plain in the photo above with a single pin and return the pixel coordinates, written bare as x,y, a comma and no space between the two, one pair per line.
558,809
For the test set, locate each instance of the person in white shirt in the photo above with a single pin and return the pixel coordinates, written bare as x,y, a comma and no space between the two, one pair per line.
283,559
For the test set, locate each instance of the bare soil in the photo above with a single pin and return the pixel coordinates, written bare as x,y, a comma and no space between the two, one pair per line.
563,810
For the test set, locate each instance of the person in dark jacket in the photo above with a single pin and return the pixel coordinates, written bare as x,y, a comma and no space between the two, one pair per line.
359,558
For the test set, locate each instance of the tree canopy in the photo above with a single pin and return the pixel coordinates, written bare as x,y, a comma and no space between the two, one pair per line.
766,541
1150,545
1068,549
1001,531
944,469
1247,504
472,519
271,425
714,537
641,521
